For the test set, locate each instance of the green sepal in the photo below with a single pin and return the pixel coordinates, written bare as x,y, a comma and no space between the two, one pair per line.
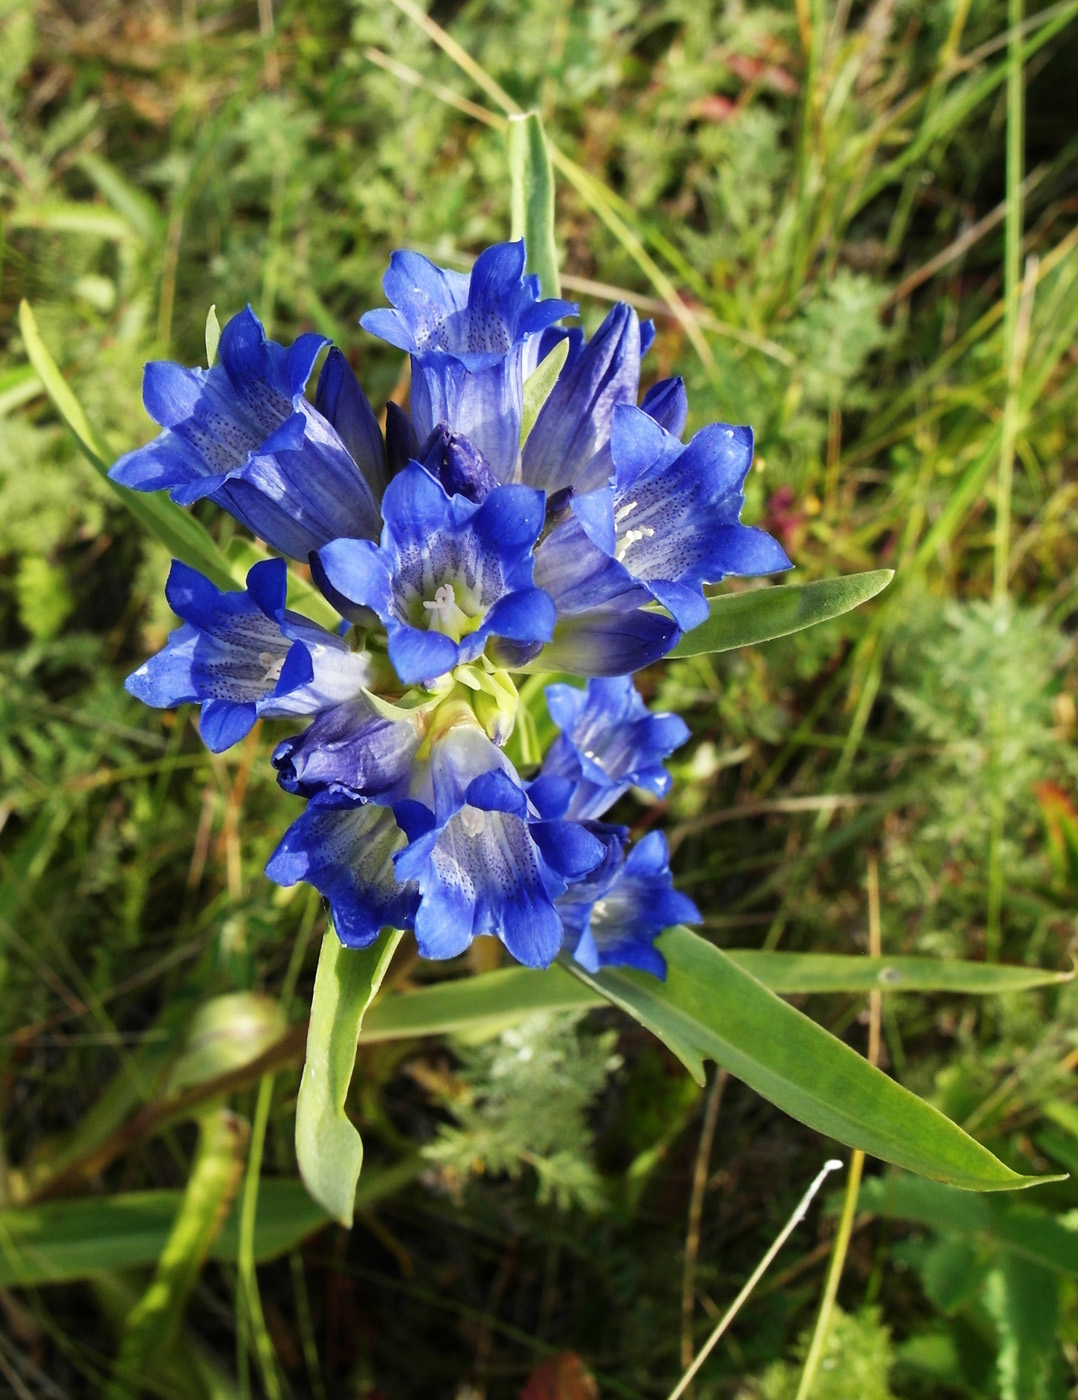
539,385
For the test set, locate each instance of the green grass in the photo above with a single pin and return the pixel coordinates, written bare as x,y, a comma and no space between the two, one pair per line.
820,206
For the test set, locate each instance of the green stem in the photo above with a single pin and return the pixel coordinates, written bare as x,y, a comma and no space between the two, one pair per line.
1012,260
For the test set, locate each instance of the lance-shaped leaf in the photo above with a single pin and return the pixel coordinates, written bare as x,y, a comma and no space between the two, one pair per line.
708,1007
503,998
182,534
329,1150
531,198
761,614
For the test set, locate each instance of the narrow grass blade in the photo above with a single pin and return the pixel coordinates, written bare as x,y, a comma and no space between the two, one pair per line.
745,619
531,192
709,1007
179,532
153,1323
329,1151
790,973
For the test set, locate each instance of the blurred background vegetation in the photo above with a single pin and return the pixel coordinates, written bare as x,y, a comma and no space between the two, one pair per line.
819,191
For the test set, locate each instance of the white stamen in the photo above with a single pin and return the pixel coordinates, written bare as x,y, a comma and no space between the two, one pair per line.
619,515
599,910
445,600
272,664
630,538
473,820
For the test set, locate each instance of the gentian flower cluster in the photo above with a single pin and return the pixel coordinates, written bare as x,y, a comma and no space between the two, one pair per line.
459,547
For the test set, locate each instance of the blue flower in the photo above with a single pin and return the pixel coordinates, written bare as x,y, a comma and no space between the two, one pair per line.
357,750
243,434
347,854
609,742
604,625
613,916
671,517
474,338
569,445
482,858
449,573
242,655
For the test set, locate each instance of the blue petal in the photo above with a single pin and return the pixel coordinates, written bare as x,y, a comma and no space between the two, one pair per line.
687,605
595,511
344,405
744,550
357,571
568,847
525,616
483,404
424,295
347,854
224,723
574,423
165,680
419,657
609,741
352,751
457,464
402,444
609,642
495,791
668,404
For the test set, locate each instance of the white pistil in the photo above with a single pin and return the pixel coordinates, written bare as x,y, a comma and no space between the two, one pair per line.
445,600
473,820
445,613
273,666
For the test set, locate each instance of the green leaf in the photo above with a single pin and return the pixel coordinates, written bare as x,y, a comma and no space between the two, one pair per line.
790,973
708,1006
531,197
497,999
329,1150
61,1241
538,386
1023,1300
760,614
493,1000
181,533
1034,1234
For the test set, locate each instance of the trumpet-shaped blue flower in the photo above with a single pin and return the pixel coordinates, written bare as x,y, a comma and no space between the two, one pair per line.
243,434
671,516
351,752
569,445
604,627
481,856
609,741
448,575
347,854
473,338
242,655
613,916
